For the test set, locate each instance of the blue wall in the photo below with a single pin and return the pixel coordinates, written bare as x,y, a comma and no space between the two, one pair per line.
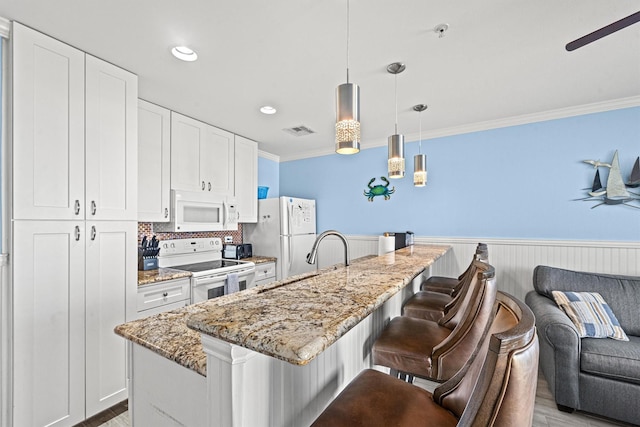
269,176
513,182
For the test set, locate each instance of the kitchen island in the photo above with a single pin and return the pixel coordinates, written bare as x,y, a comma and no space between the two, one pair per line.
274,355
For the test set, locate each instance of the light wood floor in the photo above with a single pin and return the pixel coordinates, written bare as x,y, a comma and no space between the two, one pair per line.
545,413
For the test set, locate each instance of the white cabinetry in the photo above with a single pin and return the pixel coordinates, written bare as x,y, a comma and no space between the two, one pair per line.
111,179
154,174
110,295
246,179
202,157
74,260
164,296
265,273
50,126
48,330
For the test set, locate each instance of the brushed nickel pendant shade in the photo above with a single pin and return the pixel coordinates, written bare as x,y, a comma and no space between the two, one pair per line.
395,162
347,111
420,160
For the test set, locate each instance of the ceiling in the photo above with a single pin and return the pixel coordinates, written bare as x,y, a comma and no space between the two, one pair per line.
499,59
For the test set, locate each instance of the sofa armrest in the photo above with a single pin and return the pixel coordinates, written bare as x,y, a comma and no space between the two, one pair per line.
560,347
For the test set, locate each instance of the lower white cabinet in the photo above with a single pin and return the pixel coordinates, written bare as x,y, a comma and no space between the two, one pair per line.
265,273
73,282
164,296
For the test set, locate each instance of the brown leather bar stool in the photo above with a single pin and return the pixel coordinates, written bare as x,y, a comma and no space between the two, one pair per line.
450,285
437,350
429,305
496,387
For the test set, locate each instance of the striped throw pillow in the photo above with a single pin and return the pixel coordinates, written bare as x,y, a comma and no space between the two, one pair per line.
591,314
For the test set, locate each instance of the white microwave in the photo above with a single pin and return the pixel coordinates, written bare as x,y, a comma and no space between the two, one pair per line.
195,211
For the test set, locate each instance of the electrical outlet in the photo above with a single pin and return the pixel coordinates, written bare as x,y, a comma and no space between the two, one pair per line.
228,239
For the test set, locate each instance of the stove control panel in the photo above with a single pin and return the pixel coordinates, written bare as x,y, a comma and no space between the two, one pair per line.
186,246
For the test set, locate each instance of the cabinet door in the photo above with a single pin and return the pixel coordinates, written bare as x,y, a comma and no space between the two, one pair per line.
217,161
246,179
154,149
187,135
48,329
111,282
48,127
111,142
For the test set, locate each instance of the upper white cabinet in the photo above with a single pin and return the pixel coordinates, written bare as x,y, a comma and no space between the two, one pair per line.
202,157
154,174
111,142
246,179
53,136
48,127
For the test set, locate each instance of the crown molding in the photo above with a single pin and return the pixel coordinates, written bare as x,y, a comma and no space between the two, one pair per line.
561,113
269,156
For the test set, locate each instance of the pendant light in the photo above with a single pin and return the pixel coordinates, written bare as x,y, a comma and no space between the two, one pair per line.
420,160
395,163
347,111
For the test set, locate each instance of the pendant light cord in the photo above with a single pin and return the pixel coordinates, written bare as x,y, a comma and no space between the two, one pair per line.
420,141
347,41
396,90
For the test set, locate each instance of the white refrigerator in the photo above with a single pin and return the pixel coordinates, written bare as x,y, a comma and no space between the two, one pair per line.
286,229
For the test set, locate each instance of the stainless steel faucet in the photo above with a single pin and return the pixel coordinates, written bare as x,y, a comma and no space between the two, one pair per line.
311,256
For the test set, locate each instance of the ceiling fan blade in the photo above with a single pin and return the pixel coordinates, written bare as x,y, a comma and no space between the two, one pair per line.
604,31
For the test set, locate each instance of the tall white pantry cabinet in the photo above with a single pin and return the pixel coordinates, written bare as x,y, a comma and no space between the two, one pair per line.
74,229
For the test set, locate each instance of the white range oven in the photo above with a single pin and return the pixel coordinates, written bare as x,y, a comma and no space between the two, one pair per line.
211,275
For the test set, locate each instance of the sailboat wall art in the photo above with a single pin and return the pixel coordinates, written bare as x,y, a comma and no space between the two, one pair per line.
615,191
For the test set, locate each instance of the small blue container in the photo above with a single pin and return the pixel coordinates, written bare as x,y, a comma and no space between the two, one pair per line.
262,192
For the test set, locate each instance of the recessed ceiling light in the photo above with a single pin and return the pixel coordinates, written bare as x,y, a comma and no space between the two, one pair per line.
267,109
184,53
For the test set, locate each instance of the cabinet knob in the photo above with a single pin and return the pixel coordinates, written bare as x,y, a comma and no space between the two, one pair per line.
202,185
166,212
166,294
76,208
93,207
209,186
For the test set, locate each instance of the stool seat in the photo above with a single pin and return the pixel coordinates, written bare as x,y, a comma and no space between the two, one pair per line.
444,285
375,399
426,305
407,343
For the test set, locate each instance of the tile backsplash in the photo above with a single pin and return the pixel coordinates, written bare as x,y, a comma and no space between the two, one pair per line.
146,228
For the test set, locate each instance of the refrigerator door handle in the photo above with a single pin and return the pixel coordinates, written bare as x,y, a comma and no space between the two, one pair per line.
290,252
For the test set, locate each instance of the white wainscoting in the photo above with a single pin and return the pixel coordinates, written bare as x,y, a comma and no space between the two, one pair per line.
514,260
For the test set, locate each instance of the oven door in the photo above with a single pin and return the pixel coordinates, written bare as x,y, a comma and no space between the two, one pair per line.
207,287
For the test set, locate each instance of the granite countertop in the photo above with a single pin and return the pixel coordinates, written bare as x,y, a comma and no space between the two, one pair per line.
160,275
260,259
293,320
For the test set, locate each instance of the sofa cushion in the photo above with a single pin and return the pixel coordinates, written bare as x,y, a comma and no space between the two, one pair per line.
622,293
618,360
591,314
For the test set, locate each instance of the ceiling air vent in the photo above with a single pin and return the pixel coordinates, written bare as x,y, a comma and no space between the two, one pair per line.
299,130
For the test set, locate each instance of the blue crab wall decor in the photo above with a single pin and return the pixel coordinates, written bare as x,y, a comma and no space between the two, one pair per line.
379,190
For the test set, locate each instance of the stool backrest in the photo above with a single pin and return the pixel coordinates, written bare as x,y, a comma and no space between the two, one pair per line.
475,318
497,386
482,254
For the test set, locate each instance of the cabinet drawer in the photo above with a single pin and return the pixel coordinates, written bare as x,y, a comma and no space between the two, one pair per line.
152,296
265,271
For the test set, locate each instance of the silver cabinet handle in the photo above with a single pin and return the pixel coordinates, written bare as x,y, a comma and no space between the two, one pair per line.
77,232
202,185
93,207
209,186
76,207
166,212
93,232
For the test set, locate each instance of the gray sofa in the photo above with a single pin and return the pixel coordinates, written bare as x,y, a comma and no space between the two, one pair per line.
597,375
